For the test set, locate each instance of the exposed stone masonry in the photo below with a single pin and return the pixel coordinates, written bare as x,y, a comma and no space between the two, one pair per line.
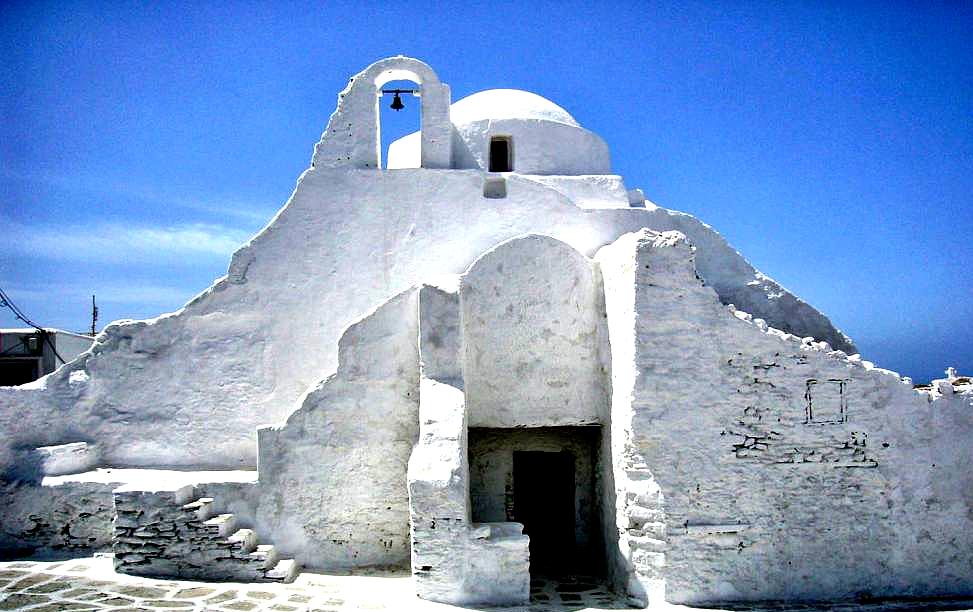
72,516
163,533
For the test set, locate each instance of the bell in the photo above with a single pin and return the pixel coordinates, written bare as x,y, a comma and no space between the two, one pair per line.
397,103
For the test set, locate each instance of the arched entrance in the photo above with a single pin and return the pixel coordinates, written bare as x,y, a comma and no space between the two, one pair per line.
399,115
352,137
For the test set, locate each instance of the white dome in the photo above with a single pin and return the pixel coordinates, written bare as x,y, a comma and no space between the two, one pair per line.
507,104
542,138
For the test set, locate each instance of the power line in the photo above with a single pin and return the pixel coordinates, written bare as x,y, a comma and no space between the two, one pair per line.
6,301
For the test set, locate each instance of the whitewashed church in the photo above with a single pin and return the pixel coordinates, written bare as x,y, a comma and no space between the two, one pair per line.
493,359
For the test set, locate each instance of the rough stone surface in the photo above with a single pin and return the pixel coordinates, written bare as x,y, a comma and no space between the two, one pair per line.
533,333
333,476
242,353
791,471
737,461
453,559
56,519
171,531
491,474
74,512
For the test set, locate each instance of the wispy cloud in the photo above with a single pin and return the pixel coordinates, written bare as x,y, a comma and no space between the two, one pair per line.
119,243
204,239
250,213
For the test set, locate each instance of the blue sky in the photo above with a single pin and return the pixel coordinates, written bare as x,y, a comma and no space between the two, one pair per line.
830,142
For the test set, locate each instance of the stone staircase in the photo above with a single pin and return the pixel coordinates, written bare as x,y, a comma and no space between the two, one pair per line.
177,533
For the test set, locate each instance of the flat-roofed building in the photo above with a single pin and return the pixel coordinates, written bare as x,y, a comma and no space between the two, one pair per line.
28,353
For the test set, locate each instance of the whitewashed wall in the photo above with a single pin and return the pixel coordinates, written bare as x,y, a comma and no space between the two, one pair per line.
190,388
352,136
440,334
492,483
577,151
333,489
454,560
784,470
533,328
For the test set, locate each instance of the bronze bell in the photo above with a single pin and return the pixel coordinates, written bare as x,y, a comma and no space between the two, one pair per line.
397,103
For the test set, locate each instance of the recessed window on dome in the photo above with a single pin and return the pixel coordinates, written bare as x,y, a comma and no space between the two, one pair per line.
501,154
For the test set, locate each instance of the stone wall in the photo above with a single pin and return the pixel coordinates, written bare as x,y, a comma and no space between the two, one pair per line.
69,518
787,470
177,533
438,495
351,138
533,328
333,489
242,353
635,533
453,559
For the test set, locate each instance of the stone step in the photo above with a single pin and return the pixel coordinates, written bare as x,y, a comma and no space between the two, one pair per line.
203,507
647,543
172,533
244,540
286,570
222,525
655,529
265,556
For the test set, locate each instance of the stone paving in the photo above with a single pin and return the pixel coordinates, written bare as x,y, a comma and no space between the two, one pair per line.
90,584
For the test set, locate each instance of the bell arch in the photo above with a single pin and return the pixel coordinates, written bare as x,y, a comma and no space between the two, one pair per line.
352,136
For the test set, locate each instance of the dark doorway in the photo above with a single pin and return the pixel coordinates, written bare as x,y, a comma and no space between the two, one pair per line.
548,479
500,158
544,503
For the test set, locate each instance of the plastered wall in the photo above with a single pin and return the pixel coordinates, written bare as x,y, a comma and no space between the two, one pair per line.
190,388
578,151
440,335
787,470
333,487
532,332
351,138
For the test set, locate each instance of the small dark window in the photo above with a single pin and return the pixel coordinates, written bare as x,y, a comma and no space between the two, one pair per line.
500,157
826,401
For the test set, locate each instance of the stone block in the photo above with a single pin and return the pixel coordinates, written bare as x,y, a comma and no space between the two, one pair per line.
70,458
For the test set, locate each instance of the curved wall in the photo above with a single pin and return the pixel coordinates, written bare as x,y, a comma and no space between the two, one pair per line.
539,147
534,337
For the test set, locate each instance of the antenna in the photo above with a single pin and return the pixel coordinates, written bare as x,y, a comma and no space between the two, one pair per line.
94,316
